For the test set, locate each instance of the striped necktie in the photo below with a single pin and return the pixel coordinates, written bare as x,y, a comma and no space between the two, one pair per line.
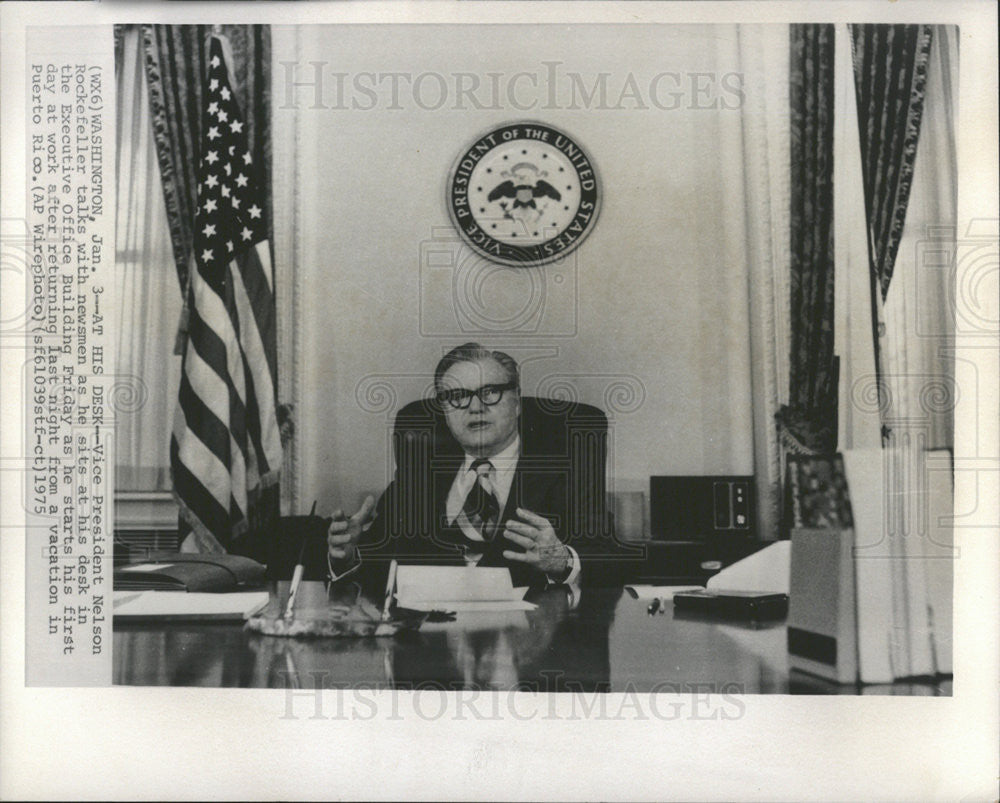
481,507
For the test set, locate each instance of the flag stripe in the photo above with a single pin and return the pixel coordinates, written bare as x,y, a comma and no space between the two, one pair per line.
213,472
217,317
207,425
215,479
212,391
255,450
261,305
211,516
203,422
267,269
214,352
259,382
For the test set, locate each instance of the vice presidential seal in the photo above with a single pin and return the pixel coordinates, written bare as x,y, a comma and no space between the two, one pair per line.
524,194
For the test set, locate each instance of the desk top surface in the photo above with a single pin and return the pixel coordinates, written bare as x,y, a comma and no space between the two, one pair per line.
606,642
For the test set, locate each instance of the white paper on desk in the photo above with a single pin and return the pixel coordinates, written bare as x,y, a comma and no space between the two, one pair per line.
458,588
473,606
145,567
185,605
645,592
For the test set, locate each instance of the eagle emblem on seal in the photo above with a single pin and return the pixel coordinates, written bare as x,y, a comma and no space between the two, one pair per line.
523,185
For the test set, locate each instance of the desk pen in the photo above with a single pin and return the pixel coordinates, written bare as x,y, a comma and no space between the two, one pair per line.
390,584
297,574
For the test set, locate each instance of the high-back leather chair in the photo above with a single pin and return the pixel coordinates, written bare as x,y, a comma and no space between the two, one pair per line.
566,438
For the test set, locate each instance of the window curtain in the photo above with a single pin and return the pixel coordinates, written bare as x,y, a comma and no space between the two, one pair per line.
753,182
808,423
859,417
149,373
904,410
286,199
918,347
913,396
175,68
890,74
764,63
913,392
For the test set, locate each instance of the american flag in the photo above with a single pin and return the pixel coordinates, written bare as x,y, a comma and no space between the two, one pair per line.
225,447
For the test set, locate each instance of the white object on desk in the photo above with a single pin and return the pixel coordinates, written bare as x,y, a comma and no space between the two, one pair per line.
185,605
465,606
458,588
146,567
766,571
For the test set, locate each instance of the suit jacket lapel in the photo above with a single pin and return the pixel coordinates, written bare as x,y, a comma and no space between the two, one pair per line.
444,470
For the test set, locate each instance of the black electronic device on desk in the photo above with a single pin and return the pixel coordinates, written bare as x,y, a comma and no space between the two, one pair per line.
754,605
698,525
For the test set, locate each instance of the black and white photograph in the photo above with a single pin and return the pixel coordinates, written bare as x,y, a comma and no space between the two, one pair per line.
558,375
531,361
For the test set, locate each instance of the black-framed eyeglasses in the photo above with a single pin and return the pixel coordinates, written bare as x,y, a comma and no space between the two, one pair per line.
461,398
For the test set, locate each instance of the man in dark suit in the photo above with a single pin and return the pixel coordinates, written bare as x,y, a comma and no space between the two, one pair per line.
482,490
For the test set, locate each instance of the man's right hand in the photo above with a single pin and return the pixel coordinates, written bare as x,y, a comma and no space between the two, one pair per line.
343,534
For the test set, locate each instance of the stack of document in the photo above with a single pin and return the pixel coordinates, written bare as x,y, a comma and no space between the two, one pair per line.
458,588
188,606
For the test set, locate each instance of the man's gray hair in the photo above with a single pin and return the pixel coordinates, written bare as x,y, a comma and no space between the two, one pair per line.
474,352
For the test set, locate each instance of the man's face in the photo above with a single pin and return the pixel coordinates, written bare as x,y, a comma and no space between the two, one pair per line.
482,431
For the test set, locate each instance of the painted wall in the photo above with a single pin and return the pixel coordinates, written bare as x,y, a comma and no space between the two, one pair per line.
648,319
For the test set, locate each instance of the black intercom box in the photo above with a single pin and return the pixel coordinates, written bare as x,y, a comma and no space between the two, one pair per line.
702,509
698,525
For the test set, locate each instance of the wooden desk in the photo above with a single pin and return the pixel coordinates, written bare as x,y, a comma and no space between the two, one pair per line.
608,642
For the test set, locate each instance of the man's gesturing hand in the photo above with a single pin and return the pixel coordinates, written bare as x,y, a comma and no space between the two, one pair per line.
342,537
544,550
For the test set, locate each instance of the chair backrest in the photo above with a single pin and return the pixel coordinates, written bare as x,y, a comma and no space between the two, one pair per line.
549,427
559,436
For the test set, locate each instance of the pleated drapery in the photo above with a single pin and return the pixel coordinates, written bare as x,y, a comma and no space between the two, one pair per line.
890,76
808,423
762,58
150,300
918,347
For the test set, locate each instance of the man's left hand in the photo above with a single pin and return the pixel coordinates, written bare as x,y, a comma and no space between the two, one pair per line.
543,548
